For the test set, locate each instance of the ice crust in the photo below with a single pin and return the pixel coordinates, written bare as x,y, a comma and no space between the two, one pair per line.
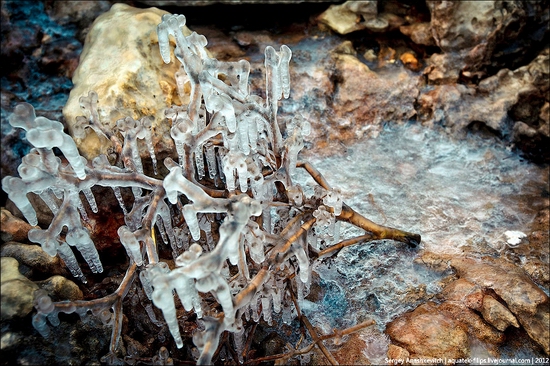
458,193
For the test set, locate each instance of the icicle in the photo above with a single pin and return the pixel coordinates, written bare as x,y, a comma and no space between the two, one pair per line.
206,226
210,153
253,132
159,276
254,308
199,161
201,121
165,225
131,244
160,227
185,287
47,197
181,152
242,130
255,238
146,284
285,55
81,240
67,255
82,210
266,218
243,267
91,199
147,123
299,289
118,196
239,343
181,79
303,261
277,295
266,309
336,234
16,190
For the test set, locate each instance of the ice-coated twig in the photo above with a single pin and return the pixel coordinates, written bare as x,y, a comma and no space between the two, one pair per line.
268,231
45,133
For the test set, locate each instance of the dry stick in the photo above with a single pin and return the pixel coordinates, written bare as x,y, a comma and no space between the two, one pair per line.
379,231
312,332
249,340
273,258
220,345
231,349
343,244
308,348
350,215
114,300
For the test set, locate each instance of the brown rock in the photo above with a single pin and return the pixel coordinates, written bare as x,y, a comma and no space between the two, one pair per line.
476,35
60,288
538,251
458,106
351,352
497,314
367,99
477,327
342,19
420,33
428,332
132,81
33,257
464,292
398,354
12,228
524,299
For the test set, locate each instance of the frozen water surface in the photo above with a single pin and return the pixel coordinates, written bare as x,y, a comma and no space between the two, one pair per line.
454,192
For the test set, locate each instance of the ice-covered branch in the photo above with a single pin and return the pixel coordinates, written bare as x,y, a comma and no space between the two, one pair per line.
233,181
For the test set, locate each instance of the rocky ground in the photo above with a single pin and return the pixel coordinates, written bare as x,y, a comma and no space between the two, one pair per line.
462,69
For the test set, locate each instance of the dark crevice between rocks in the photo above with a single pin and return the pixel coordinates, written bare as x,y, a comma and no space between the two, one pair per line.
519,44
274,18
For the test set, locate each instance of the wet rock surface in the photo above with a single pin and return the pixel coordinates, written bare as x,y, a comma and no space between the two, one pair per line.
428,333
462,69
503,294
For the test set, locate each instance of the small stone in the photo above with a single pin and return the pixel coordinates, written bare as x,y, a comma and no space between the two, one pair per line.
60,288
477,327
497,314
341,19
17,290
370,55
410,61
420,33
345,48
524,299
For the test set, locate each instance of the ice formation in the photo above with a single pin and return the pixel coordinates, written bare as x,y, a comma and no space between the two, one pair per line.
240,228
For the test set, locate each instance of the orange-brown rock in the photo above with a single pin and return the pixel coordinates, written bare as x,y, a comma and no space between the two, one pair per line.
430,333
497,314
12,228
